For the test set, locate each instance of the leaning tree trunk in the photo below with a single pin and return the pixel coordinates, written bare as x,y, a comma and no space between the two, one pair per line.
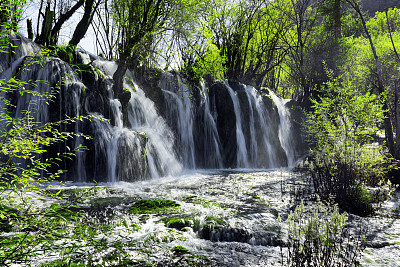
118,76
84,23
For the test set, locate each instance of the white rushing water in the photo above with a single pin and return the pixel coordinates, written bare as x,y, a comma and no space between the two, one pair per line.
150,141
212,143
285,128
179,109
257,104
143,117
242,159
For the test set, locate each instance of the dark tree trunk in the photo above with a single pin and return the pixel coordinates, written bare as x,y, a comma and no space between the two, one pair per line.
49,34
84,23
45,35
337,19
29,28
119,74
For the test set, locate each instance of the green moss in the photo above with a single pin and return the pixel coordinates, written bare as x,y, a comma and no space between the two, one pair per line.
194,199
180,250
100,74
257,197
198,200
180,223
83,67
148,206
62,262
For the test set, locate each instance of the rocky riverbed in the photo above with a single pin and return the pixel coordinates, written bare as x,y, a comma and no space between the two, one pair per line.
220,218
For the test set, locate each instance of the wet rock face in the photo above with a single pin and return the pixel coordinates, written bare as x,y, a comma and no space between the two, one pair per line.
222,105
299,135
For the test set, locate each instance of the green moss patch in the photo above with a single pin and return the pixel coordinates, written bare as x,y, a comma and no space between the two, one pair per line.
148,206
180,223
180,250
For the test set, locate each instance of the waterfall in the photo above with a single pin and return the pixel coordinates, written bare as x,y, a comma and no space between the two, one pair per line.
256,103
179,111
183,126
285,128
242,159
211,149
157,156
143,117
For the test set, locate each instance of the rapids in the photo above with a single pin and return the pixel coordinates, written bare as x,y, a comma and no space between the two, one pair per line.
242,207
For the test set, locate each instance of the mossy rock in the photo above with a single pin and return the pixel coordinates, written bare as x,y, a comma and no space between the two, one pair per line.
180,223
194,199
148,206
212,224
63,262
180,250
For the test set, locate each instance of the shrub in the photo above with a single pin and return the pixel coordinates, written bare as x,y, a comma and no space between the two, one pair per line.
319,237
342,125
23,168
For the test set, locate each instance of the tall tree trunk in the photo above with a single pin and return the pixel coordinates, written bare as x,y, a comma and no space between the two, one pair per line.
337,19
45,35
29,28
84,23
119,74
380,86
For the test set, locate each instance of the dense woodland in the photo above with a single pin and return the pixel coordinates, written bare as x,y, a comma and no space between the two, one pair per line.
339,59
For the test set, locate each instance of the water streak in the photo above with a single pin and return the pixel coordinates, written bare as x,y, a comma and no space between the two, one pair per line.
242,159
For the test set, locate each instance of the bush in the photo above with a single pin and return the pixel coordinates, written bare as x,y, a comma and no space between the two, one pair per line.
319,237
342,125
23,168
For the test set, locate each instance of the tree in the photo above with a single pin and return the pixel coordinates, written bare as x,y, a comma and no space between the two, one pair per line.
379,81
105,30
85,22
61,13
138,22
303,16
343,122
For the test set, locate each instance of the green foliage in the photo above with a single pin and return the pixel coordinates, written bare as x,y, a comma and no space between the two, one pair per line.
318,236
359,63
148,206
23,168
384,22
342,125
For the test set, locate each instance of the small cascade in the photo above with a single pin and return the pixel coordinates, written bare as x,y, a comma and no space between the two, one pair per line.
53,78
179,111
260,144
253,151
242,159
285,128
21,47
156,157
212,144
143,117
